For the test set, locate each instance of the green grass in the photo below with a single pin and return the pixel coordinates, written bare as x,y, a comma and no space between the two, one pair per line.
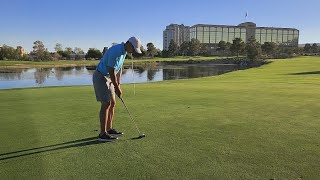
259,123
25,64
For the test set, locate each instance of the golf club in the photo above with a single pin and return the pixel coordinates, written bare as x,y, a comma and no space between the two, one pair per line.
140,135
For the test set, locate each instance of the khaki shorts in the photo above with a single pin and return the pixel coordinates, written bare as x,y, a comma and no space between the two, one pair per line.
103,87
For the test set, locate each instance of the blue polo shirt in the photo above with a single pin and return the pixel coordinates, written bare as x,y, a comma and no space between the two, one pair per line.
114,57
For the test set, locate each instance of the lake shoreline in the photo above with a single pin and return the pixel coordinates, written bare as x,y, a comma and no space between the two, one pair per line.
236,61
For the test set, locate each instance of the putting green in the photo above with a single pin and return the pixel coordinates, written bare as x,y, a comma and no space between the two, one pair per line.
259,123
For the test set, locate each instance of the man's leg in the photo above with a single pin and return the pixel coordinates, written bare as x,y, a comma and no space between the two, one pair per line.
110,114
112,106
104,114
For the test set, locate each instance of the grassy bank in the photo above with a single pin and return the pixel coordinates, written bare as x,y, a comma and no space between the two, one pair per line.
260,123
61,63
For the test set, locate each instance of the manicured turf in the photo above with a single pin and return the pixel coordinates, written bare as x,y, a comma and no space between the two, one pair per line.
259,123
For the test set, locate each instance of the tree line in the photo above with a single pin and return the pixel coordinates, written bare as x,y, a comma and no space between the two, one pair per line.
251,49
41,53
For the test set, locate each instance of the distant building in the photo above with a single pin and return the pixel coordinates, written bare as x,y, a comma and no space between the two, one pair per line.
179,33
211,35
20,51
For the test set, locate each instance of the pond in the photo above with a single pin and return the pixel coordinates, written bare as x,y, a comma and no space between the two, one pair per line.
71,76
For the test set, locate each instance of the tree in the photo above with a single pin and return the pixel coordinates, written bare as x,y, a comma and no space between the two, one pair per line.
307,48
173,47
151,50
164,53
228,46
203,50
40,53
56,56
269,47
194,47
253,49
184,48
8,52
237,46
58,48
79,53
314,48
221,46
94,53
159,53
67,53
38,46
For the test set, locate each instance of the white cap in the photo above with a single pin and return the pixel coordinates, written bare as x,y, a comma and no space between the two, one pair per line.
136,44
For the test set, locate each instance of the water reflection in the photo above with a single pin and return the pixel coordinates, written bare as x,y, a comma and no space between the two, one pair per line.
41,74
58,74
151,73
11,74
66,76
195,71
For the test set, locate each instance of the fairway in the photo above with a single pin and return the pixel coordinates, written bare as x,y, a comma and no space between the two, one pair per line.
259,123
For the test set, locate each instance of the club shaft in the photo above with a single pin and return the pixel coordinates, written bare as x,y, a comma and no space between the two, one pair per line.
130,115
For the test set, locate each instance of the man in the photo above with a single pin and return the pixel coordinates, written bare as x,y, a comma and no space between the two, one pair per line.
106,82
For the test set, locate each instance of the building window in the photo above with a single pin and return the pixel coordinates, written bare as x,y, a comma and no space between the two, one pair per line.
284,38
225,34
213,37
269,34
258,37
237,35
274,35
231,35
219,36
280,33
213,29
206,37
263,38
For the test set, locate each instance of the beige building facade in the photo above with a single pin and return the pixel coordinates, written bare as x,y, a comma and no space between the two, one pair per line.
179,33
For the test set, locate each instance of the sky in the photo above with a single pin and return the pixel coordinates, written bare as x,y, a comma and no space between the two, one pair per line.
99,23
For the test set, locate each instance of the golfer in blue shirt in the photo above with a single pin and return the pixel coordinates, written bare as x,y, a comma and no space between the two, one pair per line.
106,82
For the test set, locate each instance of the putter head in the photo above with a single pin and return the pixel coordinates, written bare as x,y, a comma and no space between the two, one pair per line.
139,137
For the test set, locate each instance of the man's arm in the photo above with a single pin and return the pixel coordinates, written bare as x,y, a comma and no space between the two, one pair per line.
115,82
119,76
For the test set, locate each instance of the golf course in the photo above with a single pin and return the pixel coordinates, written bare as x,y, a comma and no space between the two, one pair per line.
259,123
